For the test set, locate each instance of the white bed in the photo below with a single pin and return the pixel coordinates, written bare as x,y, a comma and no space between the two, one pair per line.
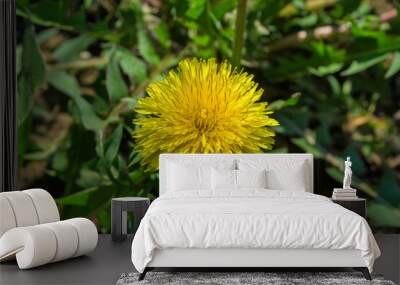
249,227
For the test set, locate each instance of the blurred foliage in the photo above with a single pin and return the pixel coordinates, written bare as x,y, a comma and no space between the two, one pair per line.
330,67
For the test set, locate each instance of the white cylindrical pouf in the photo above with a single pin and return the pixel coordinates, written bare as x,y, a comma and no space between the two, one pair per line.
7,218
31,232
45,205
87,234
23,208
67,239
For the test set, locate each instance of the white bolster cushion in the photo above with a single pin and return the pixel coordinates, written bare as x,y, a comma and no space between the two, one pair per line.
87,235
33,246
22,207
7,219
40,244
26,208
45,205
66,238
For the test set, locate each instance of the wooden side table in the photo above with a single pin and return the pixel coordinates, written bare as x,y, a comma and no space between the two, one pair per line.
119,216
357,205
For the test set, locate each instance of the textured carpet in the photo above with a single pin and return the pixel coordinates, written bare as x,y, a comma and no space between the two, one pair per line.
269,278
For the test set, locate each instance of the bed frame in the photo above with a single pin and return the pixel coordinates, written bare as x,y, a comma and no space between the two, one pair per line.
246,258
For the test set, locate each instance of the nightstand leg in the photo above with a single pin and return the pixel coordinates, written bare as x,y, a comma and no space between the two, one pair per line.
364,271
116,221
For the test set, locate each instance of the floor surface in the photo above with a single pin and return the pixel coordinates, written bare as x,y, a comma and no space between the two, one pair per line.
111,259
103,266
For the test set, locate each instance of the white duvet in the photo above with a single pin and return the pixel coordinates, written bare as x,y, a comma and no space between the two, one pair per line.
250,219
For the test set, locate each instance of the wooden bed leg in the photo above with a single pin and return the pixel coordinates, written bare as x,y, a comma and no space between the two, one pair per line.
143,274
364,271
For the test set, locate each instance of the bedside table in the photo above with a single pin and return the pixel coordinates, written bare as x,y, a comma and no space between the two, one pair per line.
357,205
119,217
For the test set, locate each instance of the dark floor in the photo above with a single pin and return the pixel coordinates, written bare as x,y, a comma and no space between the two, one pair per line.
110,260
103,266
389,263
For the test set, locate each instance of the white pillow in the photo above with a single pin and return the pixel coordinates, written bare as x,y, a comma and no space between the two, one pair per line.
292,180
181,177
228,179
223,179
251,178
281,174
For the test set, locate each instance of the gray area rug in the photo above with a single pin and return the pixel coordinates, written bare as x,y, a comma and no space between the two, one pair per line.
269,278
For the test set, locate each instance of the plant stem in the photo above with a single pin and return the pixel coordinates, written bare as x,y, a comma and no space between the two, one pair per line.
310,5
319,33
239,32
80,64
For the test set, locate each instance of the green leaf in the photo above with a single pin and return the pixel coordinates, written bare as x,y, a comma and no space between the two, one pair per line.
269,8
115,84
388,188
88,178
220,8
122,167
42,154
202,40
68,85
335,85
113,146
281,104
322,71
25,99
162,34
134,68
196,8
65,83
24,131
77,199
131,65
358,66
146,48
32,74
88,3
335,173
57,13
100,144
307,147
60,161
383,216
323,135
134,158
394,67
45,35
18,59
71,49
88,116
293,123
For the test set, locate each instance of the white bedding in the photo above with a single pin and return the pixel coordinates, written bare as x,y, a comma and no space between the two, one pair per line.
251,218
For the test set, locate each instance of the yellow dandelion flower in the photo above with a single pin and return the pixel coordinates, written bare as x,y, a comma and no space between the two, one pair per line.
202,107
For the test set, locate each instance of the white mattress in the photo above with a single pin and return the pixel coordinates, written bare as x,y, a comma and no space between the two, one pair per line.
252,219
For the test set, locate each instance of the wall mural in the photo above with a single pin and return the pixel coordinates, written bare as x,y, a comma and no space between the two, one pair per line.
105,86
